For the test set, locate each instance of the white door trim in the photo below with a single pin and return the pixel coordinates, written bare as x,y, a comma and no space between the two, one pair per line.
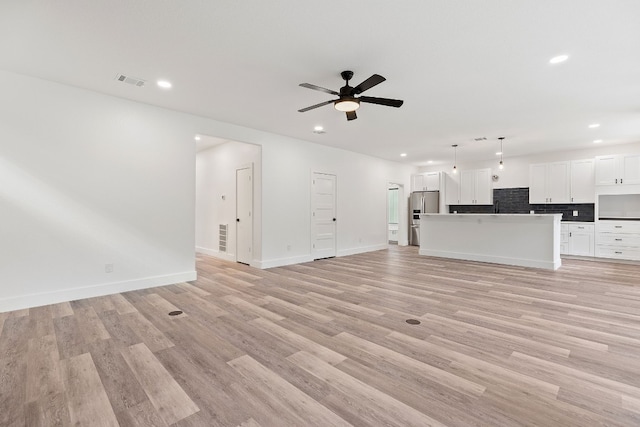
251,216
314,252
403,213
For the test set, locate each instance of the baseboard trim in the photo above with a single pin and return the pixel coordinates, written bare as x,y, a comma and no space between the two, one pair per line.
521,262
45,298
362,249
217,254
281,262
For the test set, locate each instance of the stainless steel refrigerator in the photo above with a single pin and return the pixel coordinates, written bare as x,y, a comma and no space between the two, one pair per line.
421,202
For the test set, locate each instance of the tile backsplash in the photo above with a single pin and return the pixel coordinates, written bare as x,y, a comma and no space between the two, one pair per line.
516,200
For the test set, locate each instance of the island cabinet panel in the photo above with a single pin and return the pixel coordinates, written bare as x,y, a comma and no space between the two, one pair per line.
514,239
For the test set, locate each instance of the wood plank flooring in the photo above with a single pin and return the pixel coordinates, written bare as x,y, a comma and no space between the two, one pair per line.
326,344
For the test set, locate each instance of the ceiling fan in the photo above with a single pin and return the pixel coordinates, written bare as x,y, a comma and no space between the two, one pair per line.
347,100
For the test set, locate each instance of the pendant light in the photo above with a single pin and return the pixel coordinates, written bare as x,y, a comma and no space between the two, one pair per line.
455,157
501,164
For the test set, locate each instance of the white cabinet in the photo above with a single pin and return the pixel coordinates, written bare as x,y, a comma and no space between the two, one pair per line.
549,183
581,239
621,169
618,239
451,189
475,187
583,181
577,238
429,181
564,239
417,182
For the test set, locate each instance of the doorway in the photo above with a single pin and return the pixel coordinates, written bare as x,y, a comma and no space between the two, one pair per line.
397,219
244,218
393,214
323,215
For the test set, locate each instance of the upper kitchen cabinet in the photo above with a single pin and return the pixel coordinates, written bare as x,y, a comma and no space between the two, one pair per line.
583,181
550,183
621,169
451,189
429,181
475,187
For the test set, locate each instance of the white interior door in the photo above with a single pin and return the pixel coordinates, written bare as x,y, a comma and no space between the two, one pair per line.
244,217
323,215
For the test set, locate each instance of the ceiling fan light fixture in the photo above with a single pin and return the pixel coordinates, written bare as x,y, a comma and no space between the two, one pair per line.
346,105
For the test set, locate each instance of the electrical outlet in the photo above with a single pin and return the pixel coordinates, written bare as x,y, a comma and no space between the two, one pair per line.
108,268
575,213
532,212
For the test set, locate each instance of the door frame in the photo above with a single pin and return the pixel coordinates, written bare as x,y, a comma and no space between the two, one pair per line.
311,217
238,168
403,214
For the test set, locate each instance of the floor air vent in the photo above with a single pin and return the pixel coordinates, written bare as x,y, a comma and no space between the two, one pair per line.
222,238
130,80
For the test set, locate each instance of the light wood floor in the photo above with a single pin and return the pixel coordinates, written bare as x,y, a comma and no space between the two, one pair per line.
326,344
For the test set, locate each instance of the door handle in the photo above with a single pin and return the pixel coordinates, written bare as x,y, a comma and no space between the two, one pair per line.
237,219
334,219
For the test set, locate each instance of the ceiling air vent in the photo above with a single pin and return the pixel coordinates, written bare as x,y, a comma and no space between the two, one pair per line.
482,138
130,80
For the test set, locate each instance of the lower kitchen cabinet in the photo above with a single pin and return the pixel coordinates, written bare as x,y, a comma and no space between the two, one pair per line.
564,239
618,239
577,239
581,239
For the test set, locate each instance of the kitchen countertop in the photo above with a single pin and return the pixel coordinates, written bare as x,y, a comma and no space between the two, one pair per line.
491,214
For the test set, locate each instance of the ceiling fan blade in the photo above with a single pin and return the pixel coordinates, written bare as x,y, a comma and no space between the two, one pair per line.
316,106
351,115
382,101
376,79
321,89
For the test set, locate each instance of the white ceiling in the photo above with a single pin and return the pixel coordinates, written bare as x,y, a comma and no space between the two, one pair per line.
465,69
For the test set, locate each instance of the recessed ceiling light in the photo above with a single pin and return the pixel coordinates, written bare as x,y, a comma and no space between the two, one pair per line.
164,84
594,125
558,59
403,154
197,138
597,141
318,128
498,153
430,161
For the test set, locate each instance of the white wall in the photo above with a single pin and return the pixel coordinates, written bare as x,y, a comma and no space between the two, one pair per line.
89,180
215,177
362,184
516,171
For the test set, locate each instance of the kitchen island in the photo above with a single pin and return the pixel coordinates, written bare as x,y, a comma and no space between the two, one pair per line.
528,240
